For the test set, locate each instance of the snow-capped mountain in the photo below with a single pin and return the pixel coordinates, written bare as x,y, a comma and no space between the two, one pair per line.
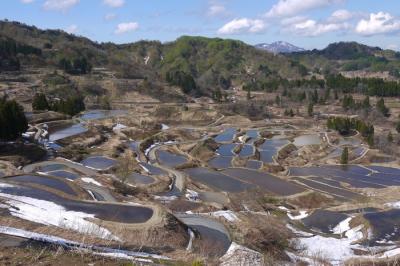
279,47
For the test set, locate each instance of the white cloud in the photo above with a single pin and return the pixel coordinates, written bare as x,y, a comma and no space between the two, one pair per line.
27,1
293,20
114,3
126,27
59,5
216,9
72,29
378,23
311,28
242,25
110,16
286,8
341,15
393,47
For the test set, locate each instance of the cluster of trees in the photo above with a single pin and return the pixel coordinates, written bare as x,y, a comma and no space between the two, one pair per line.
348,102
181,79
9,49
368,86
12,119
71,106
380,105
345,125
337,83
289,112
77,66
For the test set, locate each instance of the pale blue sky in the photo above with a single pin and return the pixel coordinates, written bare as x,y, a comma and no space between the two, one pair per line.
306,23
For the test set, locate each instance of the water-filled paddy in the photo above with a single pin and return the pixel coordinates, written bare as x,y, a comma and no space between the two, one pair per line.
336,192
69,131
323,221
51,167
304,140
221,162
226,136
99,162
103,211
217,180
170,159
153,170
246,151
45,181
101,114
265,181
140,179
64,174
385,225
226,149
266,156
252,164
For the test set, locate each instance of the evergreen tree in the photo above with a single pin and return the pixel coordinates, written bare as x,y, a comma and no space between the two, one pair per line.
365,103
380,105
39,102
12,119
390,137
310,109
344,159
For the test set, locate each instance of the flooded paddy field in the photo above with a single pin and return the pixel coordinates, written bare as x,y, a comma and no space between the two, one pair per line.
252,164
385,226
64,174
265,181
103,211
45,181
170,159
227,136
102,114
68,131
323,221
236,183
304,140
99,162
221,162
217,180
136,178
356,176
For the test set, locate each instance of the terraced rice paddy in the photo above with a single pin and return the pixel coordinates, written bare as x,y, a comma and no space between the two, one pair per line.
170,159
99,162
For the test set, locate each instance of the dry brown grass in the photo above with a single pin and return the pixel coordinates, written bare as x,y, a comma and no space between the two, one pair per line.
311,201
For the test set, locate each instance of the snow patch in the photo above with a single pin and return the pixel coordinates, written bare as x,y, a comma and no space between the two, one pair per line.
50,213
343,226
228,215
91,181
146,60
302,215
191,195
238,255
118,127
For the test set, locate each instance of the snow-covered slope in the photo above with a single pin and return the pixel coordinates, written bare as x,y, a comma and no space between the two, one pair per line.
279,47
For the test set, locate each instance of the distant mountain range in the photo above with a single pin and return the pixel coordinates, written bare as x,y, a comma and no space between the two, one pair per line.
279,47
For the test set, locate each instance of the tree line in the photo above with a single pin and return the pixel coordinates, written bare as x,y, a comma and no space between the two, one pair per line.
9,49
71,106
77,66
